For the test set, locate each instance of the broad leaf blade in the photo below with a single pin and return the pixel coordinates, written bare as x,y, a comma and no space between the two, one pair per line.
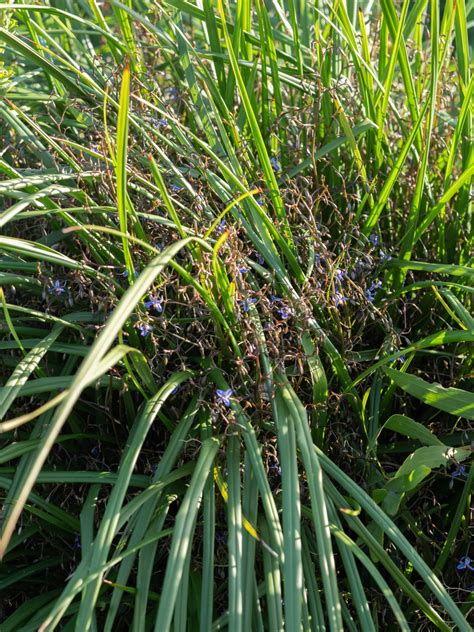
454,401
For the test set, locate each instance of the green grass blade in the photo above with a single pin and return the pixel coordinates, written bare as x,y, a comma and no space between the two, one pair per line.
182,529
318,503
108,528
452,400
234,522
121,168
292,566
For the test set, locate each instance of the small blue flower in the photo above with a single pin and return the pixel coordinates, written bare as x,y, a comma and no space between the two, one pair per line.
460,472
374,240
162,122
275,299
125,273
260,259
243,270
155,303
172,92
274,164
402,359
247,302
260,200
384,257
284,313
275,469
58,288
175,188
339,299
144,329
224,396
340,276
370,293
221,226
464,564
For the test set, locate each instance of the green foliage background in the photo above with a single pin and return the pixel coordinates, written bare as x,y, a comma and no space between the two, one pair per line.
236,331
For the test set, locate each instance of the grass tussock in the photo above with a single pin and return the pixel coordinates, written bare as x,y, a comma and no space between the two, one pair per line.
236,331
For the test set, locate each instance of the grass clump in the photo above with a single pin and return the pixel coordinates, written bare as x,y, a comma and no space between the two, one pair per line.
236,280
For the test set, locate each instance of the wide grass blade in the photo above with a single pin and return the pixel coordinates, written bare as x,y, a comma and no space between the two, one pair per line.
318,503
181,532
452,400
292,566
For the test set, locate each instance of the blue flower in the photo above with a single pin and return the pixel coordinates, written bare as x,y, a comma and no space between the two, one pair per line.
58,288
156,303
125,273
221,226
162,122
260,259
243,270
175,188
464,564
384,257
172,92
370,293
275,468
374,239
224,396
274,164
460,471
144,329
247,302
284,312
260,200
339,299
402,359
